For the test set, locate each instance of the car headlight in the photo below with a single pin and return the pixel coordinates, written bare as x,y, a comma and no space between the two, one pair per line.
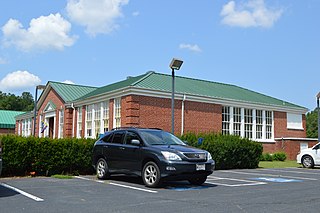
170,156
209,157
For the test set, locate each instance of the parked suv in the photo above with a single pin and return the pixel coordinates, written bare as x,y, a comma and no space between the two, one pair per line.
153,154
309,157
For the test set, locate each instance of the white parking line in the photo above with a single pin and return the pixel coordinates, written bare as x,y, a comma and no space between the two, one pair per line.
248,182
271,175
116,184
297,172
35,198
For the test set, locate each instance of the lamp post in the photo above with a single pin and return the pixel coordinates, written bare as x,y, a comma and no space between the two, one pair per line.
174,65
38,87
318,97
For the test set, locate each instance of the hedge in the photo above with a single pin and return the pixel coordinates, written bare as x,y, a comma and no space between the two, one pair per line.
228,151
277,156
45,156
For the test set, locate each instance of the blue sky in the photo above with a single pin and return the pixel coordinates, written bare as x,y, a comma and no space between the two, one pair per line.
269,46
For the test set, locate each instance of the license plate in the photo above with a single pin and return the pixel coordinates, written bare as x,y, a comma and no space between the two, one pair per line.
200,167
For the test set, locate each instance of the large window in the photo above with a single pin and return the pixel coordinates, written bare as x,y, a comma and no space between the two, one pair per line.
294,121
226,120
89,121
117,113
237,121
79,125
249,123
61,121
97,119
105,106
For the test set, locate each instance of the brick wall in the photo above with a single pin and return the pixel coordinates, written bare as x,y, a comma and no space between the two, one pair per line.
6,131
280,127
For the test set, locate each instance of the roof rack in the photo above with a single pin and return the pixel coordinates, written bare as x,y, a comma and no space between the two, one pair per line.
132,127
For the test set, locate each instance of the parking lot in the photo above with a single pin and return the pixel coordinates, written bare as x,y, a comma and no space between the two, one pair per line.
259,190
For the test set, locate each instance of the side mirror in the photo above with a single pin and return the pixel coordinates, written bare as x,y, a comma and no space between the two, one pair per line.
135,142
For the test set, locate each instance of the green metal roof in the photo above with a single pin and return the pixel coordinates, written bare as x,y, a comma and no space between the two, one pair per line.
196,87
70,92
7,119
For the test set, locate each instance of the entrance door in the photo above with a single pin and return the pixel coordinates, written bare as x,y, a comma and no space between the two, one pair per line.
51,127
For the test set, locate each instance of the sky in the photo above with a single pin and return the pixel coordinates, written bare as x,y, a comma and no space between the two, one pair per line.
268,46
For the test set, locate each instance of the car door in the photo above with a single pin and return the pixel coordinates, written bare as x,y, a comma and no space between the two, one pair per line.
132,153
316,152
113,150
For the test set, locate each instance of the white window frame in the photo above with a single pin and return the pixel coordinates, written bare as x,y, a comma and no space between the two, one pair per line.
89,113
226,130
105,116
61,123
116,115
294,121
79,122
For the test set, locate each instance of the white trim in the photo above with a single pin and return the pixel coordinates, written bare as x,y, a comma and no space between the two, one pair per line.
297,139
179,96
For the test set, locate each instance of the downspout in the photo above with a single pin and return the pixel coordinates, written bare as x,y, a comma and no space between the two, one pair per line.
73,117
182,113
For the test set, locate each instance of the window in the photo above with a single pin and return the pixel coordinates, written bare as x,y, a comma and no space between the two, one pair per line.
225,120
118,137
294,121
61,121
259,124
97,119
79,120
29,127
248,121
269,125
237,121
131,136
117,113
89,121
105,106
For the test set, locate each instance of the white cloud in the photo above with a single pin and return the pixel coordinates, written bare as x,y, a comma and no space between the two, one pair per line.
136,13
254,13
193,48
44,33
68,82
19,80
98,16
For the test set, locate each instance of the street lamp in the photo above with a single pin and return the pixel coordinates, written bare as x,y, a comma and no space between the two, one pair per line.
318,97
38,87
174,65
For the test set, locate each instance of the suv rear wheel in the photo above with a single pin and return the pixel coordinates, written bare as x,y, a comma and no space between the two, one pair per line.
151,174
102,169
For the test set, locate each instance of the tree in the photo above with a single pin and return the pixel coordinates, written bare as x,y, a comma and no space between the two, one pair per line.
312,124
17,103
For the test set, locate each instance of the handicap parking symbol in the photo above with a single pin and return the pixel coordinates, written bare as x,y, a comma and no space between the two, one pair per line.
276,180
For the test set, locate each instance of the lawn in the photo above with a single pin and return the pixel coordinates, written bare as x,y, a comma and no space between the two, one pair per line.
279,164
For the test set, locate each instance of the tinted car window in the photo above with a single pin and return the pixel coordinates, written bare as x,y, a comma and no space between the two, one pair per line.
154,137
107,138
118,137
131,136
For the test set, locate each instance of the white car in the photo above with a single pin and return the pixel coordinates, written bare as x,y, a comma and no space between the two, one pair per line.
309,157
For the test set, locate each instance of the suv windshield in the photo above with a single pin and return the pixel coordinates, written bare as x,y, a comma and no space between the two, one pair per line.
156,137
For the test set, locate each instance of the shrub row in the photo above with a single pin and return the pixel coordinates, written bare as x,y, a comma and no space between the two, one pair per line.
277,156
46,156
228,151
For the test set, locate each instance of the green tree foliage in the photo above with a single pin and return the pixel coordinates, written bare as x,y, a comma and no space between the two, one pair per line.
10,101
312,124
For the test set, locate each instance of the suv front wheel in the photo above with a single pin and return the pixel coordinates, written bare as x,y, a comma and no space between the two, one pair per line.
102,169
151,174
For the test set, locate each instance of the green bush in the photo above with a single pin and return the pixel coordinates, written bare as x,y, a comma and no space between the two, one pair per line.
279,156
46,156
228,151
266,157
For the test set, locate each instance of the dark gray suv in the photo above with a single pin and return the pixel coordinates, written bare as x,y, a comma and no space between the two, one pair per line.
153,154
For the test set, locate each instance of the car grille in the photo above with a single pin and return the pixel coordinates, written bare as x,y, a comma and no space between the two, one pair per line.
196,156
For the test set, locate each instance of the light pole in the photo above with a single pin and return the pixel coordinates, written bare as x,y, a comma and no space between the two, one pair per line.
174,65
38,87
318,97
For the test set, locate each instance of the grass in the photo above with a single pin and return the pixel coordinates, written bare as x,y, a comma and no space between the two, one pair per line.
279,164
62,176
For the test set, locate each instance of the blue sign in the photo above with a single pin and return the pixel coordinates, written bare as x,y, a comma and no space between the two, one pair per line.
276,180
200,140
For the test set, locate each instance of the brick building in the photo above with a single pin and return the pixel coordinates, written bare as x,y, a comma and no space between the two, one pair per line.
7,121
66,110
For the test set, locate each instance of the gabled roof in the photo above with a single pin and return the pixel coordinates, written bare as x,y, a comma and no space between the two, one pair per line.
7,119
70,92
195,87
